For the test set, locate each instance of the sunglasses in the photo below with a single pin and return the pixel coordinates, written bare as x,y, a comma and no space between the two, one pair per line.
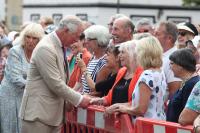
182,33
142,31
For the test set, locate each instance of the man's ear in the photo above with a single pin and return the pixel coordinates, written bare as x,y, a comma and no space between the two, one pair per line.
129,30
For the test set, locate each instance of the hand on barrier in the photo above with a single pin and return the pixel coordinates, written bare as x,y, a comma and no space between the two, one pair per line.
97,101
111,109
85,101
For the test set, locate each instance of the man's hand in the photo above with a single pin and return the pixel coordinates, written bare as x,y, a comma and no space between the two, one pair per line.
85,101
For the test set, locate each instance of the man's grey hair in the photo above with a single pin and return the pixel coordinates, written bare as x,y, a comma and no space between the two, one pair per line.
171,29
142,22
100,33
116,16
127,23
139,36
71,22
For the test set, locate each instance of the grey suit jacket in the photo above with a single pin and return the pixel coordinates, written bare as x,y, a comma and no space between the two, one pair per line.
46,88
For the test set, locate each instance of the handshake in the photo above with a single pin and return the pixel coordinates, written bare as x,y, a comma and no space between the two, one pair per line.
87,100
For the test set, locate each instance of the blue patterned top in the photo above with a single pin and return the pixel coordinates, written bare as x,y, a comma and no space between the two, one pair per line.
12,89
156,82
193,101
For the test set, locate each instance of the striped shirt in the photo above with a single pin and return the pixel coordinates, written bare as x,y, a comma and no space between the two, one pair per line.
93,67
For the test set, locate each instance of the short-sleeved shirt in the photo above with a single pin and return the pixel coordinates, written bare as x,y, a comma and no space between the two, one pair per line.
94,66
155,80
193,102
169,75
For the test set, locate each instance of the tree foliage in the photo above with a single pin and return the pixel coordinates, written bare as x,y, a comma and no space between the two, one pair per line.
191,2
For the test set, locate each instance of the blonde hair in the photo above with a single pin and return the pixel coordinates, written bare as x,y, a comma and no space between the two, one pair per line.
34,30
149,52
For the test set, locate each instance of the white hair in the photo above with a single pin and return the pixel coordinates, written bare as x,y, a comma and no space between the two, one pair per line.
142,22
100,33
71,22
34,30
129,47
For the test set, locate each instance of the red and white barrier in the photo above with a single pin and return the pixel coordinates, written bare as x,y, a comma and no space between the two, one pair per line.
144,125
92,120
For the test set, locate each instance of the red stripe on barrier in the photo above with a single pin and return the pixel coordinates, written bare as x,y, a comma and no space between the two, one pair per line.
144,125
93,121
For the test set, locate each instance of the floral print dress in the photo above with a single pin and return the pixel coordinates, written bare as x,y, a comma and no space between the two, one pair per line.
155,80
12,89
193,101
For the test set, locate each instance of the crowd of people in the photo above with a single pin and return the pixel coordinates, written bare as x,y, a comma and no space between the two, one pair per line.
145,70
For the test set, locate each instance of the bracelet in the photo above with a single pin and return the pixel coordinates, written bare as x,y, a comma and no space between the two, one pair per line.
195,128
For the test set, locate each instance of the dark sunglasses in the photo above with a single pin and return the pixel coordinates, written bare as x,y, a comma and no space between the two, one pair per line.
182,33
142,31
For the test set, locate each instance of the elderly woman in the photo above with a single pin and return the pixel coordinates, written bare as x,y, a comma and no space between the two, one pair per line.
113,63
126,78
148,95
96,40
183,64
14,81
186,31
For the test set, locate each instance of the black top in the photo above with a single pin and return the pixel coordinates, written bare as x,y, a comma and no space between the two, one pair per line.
105,85
120,92
179,99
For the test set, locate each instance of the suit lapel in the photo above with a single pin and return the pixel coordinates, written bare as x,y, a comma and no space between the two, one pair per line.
61,62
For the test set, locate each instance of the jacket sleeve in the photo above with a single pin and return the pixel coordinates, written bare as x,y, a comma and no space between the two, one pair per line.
14,69
46,62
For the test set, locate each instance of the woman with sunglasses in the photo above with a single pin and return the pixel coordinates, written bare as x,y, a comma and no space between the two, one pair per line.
186,31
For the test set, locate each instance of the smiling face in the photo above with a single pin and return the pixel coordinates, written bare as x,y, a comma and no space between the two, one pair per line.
184,36
124,58
120,33
112,60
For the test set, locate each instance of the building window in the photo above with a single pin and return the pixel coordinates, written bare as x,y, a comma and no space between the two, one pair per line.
135,18
82,16
177,19
57,17
35,18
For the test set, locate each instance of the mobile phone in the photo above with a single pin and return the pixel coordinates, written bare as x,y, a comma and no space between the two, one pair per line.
80,55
